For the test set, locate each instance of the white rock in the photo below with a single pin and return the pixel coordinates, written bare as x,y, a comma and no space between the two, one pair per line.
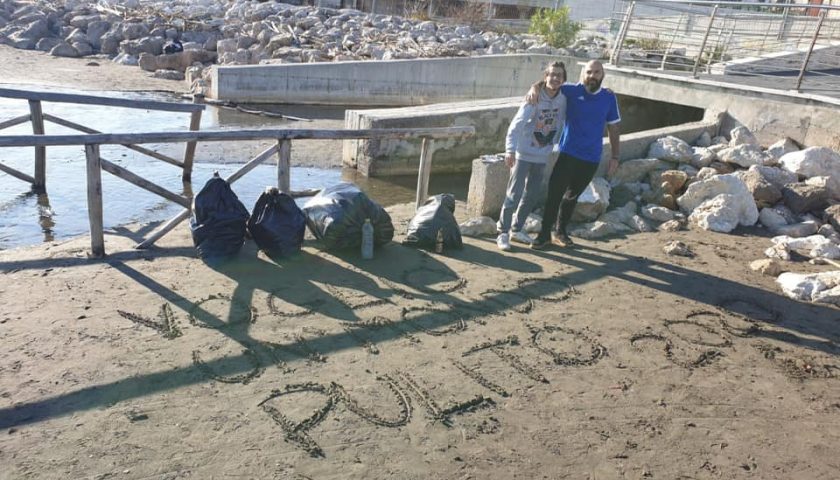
704,173
744,155
782,147
704,140
593,201
702,157
658,213
777,176
797,230
671,149
677,248
815,246
632,171
815,162
771,219
730,184
723,213
742,136
822,287
533,224
478,227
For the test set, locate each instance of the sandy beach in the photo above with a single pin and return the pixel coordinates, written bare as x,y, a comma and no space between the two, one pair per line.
613,360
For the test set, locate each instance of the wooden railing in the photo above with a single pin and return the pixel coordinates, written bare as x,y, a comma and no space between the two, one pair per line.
95,164
37,117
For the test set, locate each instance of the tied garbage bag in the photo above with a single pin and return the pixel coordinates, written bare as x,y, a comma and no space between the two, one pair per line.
277,224
218,220
437,214
336,215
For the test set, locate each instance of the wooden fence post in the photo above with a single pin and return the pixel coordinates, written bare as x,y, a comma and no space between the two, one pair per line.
37,117
284,156
425,171
94,194
189,151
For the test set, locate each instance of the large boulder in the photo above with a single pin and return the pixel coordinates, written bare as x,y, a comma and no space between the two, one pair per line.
671,149
724,213
764,192
699,192
782,148
702,157
775,175
832,216
744,155
815,162
815,287
771,219
742,136
631,171
593,201
801,197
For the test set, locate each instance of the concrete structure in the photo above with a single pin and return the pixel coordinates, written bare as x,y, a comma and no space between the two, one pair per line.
392,82
770,114
401,157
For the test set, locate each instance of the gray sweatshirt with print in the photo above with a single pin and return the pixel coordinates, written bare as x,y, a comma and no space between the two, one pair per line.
535,129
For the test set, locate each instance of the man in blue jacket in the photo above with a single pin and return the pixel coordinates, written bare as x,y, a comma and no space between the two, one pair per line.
589,109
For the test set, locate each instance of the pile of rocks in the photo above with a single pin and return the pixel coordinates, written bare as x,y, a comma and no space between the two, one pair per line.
718,184
237,32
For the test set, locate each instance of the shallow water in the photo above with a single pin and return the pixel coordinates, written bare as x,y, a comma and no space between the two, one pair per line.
27,218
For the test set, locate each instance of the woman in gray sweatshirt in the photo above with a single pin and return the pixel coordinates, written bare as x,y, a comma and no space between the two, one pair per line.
532,134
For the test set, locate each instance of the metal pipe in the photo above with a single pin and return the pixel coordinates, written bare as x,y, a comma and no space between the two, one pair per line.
810,51
622,34
671,43
705,39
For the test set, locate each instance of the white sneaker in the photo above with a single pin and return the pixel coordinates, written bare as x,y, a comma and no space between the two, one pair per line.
503,241
521,237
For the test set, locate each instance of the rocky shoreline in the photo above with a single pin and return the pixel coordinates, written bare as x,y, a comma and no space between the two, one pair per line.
207,32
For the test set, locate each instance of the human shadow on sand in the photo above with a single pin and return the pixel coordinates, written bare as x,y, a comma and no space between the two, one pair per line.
806,325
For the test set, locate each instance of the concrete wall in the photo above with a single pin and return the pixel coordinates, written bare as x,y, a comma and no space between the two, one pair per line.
391,83
771,114
402,157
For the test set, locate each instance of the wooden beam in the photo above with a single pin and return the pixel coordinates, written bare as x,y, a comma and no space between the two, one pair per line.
284,169
426,152
94,197
177,219
17,174
37,117
15,121
189,151
164,229
143,150
141,182
232,135
96,100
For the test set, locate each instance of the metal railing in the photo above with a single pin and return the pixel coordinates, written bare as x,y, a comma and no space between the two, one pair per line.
779,45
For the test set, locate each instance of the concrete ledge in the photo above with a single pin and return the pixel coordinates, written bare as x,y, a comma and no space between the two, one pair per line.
386,83
402,157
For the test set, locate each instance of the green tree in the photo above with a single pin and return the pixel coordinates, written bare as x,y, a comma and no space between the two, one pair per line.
555,26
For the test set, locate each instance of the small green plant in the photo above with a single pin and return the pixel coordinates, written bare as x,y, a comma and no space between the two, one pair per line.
555,26
417,10
650,44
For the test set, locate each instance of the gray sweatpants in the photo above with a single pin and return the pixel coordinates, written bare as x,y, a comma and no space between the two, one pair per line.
523,191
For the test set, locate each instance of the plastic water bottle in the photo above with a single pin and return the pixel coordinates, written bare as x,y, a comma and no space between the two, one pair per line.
367,240
439,241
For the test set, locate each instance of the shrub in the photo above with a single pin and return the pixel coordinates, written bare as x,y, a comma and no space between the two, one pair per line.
555,26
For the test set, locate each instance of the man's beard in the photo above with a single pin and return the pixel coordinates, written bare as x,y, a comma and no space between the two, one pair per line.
593,85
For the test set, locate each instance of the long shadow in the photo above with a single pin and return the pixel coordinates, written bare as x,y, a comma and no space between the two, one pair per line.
592,264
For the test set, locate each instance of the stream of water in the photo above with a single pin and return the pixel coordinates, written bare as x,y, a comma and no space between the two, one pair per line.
61,213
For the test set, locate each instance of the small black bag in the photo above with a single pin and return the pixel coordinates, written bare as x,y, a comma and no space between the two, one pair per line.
218,220
173,46
277,224
336,215
437,214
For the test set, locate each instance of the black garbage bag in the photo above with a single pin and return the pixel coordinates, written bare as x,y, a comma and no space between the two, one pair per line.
336,215
218,220
277,224
173,46
437,214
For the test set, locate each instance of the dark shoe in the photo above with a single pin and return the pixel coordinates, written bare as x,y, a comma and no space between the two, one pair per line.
539,244
562,240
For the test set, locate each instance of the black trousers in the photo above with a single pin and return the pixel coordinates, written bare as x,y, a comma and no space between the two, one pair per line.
569,179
